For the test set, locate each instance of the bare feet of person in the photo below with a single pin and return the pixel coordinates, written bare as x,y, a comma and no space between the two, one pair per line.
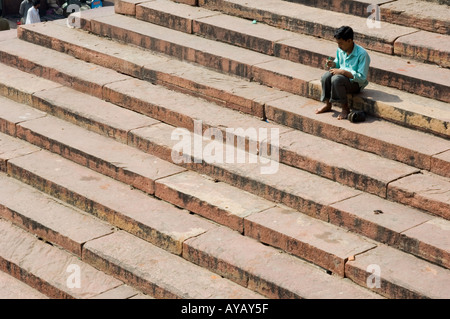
324,109
344,114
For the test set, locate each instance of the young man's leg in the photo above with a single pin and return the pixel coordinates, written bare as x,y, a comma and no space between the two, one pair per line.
340,87
326,93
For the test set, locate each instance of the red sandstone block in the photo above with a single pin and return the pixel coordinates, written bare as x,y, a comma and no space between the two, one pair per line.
424,45
238,32
90,112
380,137
440,164
154,220
44,217
169,72
8,34
305,50
313,21
121,292
152,140
425,191
188,47
48,268
59,67
19,86
293,187
11,288
394,224
264,269
285,75
426,15
157,272
183,111
103,155
170,14
58,37
11,148
232,92
217,201
405,74
430,240
316,241
85,16
344,164
127,7
12,113
395,274
189,2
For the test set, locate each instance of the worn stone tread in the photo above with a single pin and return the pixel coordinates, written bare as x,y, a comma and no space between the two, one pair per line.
157,272
246,96
47,268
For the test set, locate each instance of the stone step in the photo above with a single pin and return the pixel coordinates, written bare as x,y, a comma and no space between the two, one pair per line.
422,79
132,94
102,154
47,268
382,138
414,278
144,129
337,162
392,104
277,275
157,272
393,282
127,94
105,262
40,177
179,189
425,16
12,288
389,38
111,201
168,231
47,218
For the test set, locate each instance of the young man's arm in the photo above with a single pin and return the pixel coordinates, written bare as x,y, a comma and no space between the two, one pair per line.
359,75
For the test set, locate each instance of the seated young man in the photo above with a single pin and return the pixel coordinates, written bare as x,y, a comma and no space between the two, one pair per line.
347,73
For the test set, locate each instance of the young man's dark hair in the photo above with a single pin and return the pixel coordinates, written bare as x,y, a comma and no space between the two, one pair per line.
344,33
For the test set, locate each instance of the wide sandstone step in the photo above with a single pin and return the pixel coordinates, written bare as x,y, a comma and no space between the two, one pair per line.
212,200
418,78
324,252
12,288
306,154
418,13
382,138
415,278
48,218
121,262
52,271
389,38
133,93
49,269
388,103
104,198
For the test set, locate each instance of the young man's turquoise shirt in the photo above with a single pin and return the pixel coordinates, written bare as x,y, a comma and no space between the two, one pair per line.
357,63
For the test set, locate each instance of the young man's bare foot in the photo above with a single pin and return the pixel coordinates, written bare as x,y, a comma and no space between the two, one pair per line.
324,109
344,114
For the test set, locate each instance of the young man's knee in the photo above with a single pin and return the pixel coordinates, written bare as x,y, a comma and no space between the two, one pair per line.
338,79
326,76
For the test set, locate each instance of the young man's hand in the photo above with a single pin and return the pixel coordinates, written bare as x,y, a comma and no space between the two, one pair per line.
340,71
